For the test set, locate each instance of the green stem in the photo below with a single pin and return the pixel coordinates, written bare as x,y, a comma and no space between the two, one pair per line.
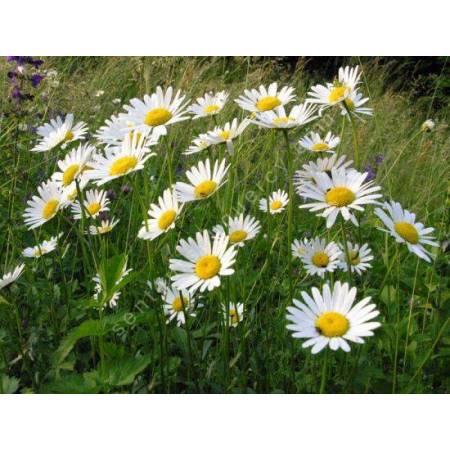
323,378
355,135
290,210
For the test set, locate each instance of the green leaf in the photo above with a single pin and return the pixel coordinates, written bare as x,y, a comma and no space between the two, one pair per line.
9,385
120,372
72,384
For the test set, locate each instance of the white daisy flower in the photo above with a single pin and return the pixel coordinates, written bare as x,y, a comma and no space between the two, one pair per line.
320,165
401,224
59,132
265,99
73,165
354,103
329,318
205,263
198,144
208,105
277,202
279,119
120,160
358,257
235,314
226,134
176,303
314,143
428,125
203,182
239,229
349,77
43,207
342,192
160,285
320,257
118,127
162,216
95,201
298,247
43,248
105,227
12,276
157,110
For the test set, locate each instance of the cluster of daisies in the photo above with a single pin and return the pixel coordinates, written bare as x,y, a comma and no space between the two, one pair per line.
328,186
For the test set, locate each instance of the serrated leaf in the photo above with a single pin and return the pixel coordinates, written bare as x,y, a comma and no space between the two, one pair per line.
120,372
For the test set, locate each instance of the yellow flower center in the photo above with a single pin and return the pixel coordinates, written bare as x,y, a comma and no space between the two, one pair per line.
211,109
320,147
332,324
267,103
337,94
123,165
340,196
105,229
166,219
320,259
157,116
233,316
178,303
276,204
225,134
205,189
237,236
281,120
69,174
207,266
354,258
50,209
73,195
407,231
39,251
93,208
68,136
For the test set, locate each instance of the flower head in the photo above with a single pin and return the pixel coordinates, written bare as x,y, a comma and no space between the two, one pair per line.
330,318
358,258
265,99
204,262
279,119
43,248
208,105
12,276
314,143
276,203
239,229
320,257
401,224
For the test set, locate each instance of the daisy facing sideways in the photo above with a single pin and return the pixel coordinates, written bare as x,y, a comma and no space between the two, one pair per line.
277,202
354,104
226,134
358,258
330,318
401,224
95,201
198,144
235,314
162,216
118,127
279,119
320,257
119,160
239,229
157,111
176,304
320,165
341,192
59,132
43,248
203,181
73,165
298,247
12,276
204,263
43,207
105,227
208,105
314,143
265,99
